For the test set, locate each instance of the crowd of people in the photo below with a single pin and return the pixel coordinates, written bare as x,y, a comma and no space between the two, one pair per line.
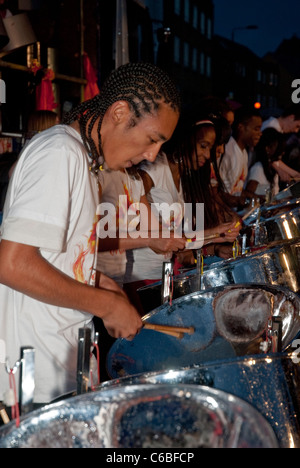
133,141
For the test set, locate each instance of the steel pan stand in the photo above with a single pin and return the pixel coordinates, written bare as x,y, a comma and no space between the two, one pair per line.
83,360
167,273
27,375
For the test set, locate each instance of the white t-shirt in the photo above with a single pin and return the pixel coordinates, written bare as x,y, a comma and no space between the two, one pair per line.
234,168
51,204
144,263
272,122
257,173
113,185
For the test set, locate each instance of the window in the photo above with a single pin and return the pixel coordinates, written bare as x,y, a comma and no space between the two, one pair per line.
195,59
273,79
202,23
187,11
186,56
177,6
240,69
195,17
176,49
208,66
259,76
202,63
209,28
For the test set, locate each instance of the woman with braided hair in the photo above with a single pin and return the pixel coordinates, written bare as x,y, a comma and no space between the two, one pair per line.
48,236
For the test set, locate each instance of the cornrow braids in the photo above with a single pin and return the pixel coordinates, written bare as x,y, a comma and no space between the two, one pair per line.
143,85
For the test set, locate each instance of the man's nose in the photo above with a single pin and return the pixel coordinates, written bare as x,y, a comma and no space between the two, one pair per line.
151,155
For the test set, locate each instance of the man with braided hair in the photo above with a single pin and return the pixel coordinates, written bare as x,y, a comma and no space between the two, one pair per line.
48,235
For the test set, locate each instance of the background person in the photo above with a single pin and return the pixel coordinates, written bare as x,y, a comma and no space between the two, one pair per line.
112,258
262,175
246,133
287,122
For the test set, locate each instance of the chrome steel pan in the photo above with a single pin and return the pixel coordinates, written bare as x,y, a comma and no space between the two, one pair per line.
279,207
144,416
275,208
293,191
269,383
228,321
275,226
278,266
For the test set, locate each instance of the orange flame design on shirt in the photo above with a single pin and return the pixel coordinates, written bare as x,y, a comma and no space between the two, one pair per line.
239,184
119,212
78,265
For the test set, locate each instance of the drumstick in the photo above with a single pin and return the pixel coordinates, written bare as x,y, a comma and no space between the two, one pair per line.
172,330
213,236
206,238
246,215
4,415
189,330
177,335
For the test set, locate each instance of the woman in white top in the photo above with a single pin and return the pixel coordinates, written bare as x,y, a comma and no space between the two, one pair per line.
124,192
263,176
114,187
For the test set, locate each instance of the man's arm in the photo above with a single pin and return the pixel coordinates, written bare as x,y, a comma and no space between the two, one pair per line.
23,268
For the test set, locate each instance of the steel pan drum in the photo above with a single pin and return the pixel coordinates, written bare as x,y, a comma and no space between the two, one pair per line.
279,207
229,321
285,200
276,225
269,383
278,266
293,191
144,416
266,211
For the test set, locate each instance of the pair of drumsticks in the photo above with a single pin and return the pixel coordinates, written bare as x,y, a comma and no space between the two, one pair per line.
177,332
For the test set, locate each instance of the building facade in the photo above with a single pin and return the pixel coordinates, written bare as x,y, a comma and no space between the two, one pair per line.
177,35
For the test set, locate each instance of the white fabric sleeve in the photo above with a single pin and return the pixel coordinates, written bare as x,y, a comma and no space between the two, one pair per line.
40,194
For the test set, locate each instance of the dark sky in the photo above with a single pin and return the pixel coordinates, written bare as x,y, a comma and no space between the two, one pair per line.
276,20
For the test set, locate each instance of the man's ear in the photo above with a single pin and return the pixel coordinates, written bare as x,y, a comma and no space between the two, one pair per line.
240,127
119,112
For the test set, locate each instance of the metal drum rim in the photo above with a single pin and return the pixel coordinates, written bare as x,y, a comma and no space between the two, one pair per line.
198,393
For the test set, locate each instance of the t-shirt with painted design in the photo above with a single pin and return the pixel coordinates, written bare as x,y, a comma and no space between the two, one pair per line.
51,204
121,191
